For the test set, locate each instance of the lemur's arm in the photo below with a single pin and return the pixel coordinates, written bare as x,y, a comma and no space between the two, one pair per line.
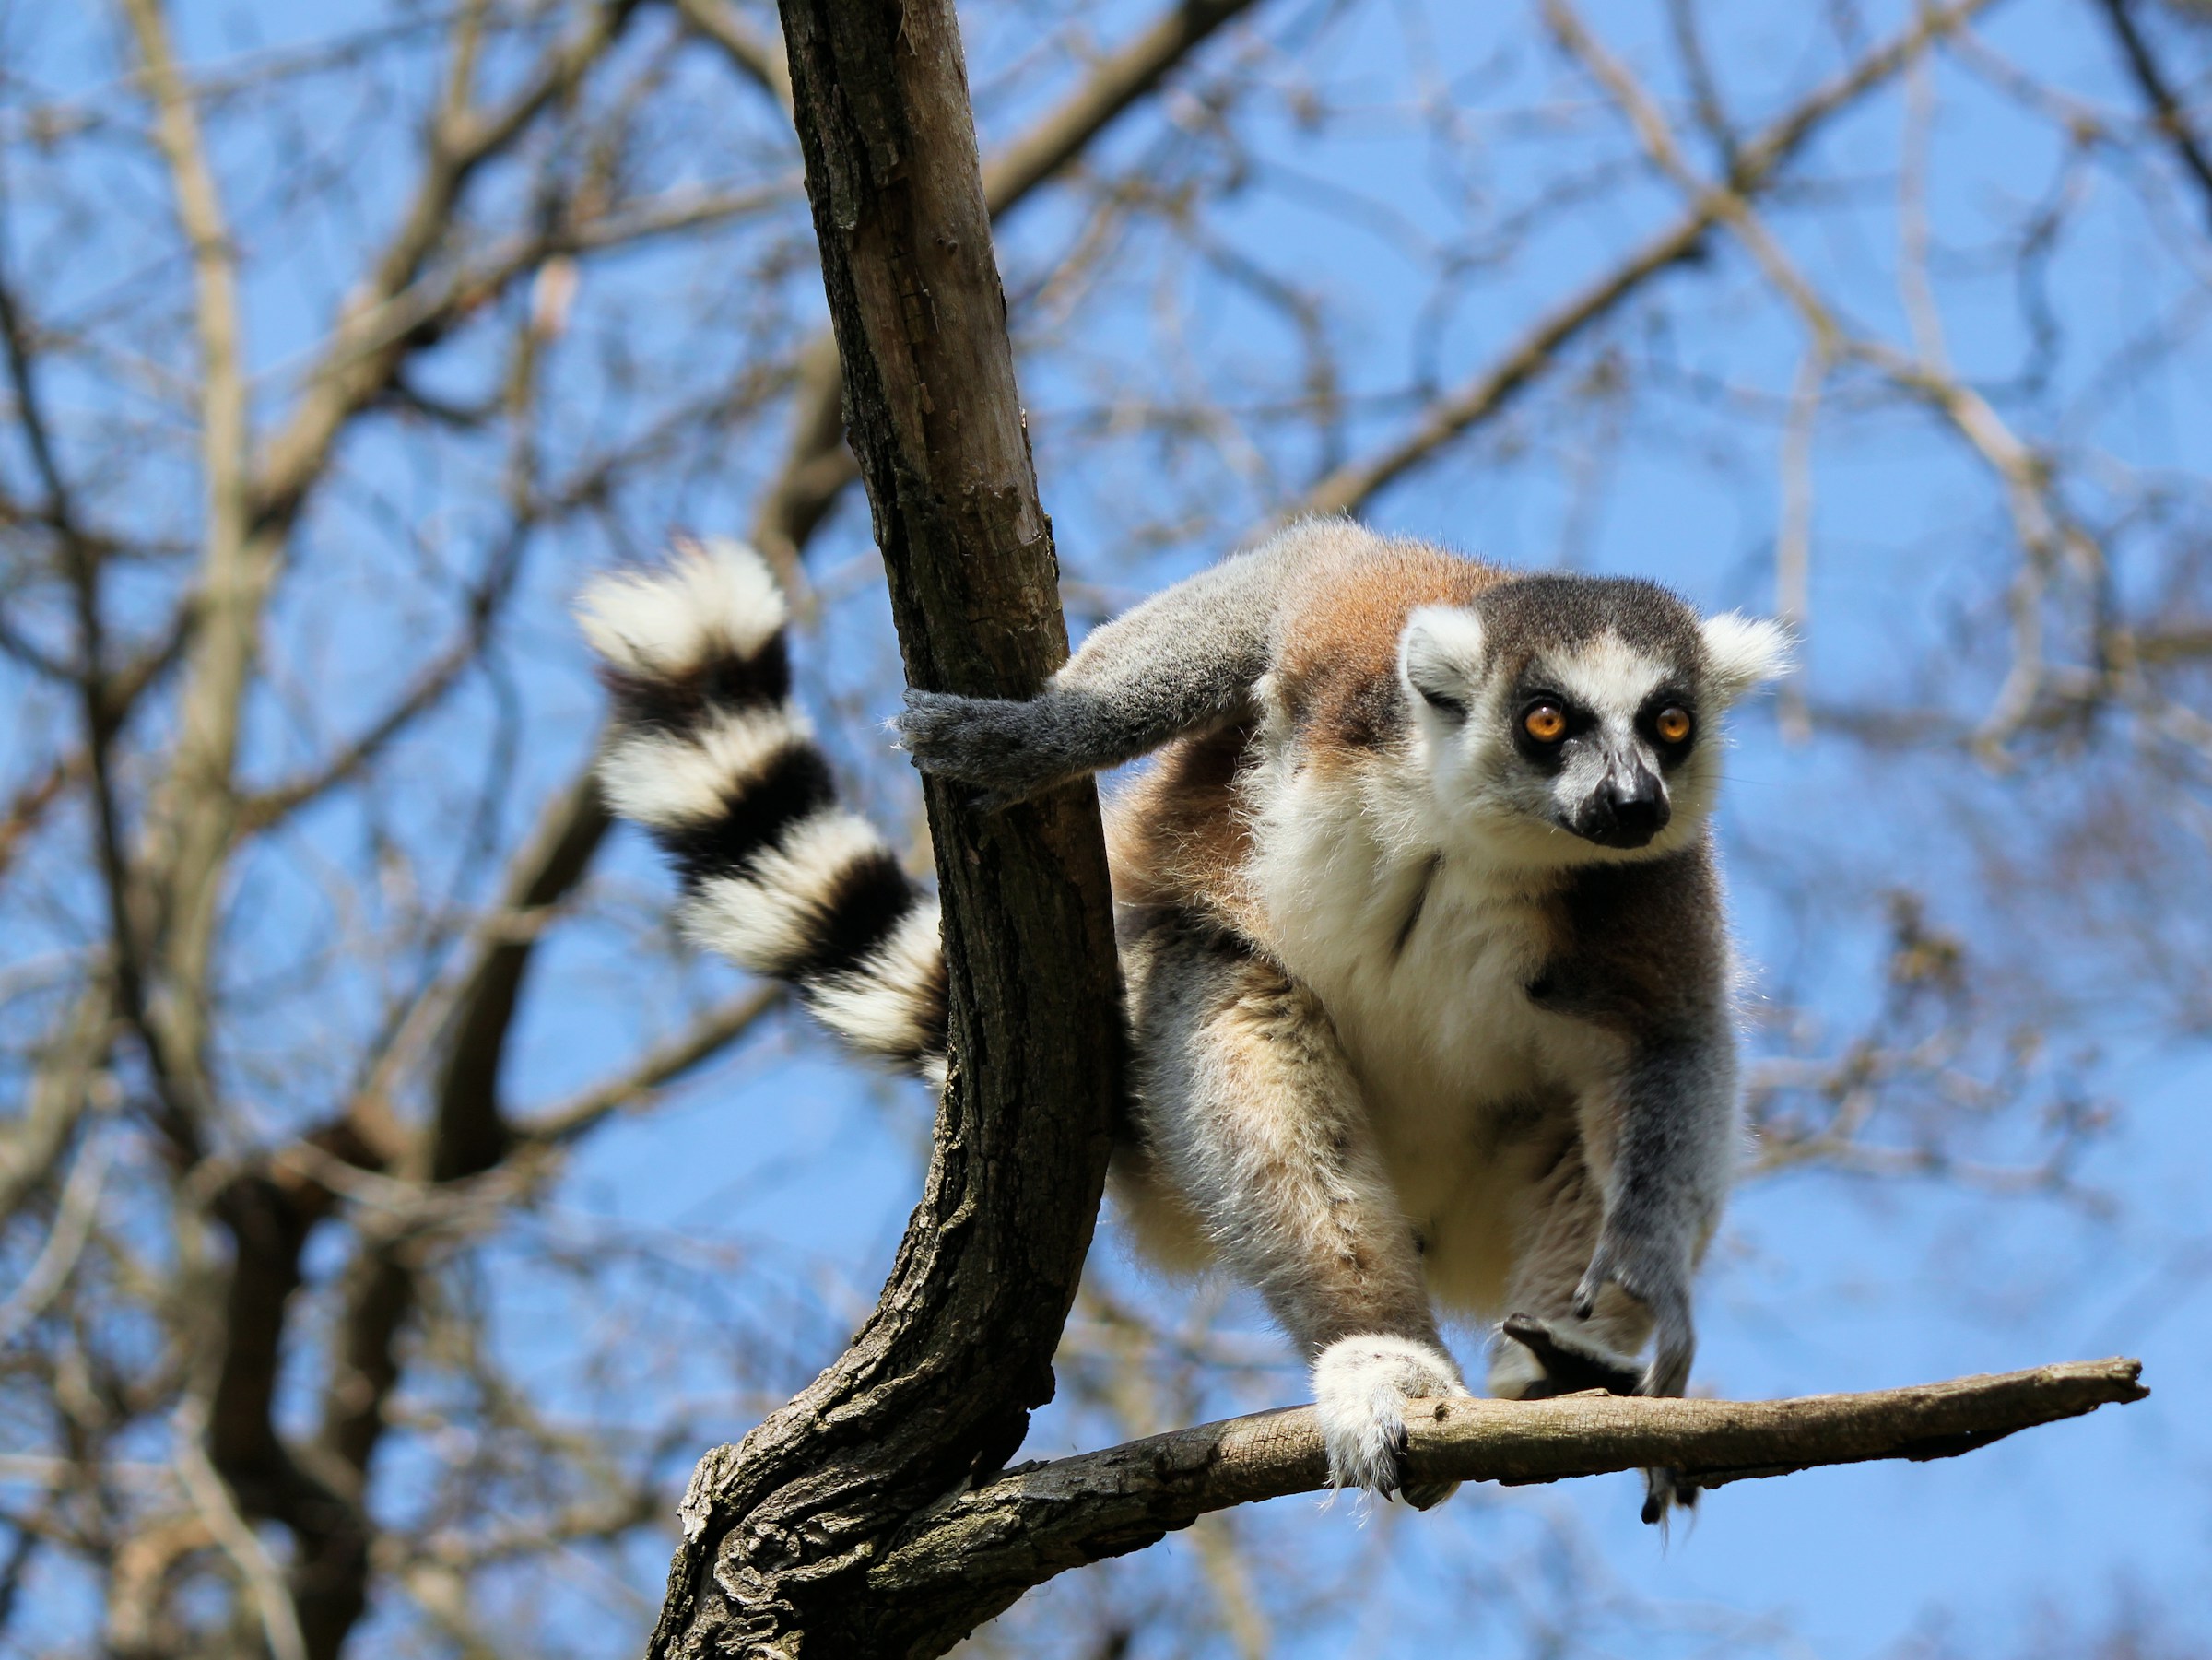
1184,661
1672,1143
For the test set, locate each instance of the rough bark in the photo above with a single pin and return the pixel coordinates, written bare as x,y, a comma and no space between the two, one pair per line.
937,1388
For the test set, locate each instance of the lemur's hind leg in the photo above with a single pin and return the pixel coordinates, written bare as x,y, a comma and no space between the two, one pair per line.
1543,1349
1250,1110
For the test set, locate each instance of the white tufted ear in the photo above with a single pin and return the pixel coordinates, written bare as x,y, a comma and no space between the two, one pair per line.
1743,652
1439,655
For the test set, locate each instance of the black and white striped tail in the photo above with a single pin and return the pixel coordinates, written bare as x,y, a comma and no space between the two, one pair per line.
712,758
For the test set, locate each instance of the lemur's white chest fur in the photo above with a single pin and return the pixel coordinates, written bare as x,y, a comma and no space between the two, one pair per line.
1423,959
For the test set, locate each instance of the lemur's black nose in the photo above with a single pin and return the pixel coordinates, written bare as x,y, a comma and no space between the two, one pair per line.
1628,812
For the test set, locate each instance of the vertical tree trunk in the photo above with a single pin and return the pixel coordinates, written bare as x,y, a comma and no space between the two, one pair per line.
781,1531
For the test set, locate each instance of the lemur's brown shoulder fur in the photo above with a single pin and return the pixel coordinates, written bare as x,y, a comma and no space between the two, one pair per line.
1337,676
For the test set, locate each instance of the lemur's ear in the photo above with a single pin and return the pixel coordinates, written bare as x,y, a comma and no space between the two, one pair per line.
1743,652
1439,655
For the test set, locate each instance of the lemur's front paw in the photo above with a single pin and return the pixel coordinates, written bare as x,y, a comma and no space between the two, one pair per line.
1360,1388
1660,1280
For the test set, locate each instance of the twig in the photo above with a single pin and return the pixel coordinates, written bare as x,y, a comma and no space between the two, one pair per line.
1350,486
760,62
72,1228
817,467
2166,109
2048,535
194,819
211,1497
712,1034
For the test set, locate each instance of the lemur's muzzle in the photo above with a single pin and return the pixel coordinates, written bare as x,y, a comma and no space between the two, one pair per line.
1625,811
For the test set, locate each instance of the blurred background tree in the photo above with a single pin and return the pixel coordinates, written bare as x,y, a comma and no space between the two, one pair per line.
392,1209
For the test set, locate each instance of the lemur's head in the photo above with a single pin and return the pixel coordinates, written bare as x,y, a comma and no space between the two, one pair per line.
1578,717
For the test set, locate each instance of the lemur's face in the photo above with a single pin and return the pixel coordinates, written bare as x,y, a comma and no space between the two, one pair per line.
1577,718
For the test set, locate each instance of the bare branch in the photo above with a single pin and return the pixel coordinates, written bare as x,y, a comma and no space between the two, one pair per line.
2166,109
362,355
72,1228
29,807
1758,164
469,1133
61,1090
941,1379
211,1497
1114,84
2048,535
817,466
980,1551
194,823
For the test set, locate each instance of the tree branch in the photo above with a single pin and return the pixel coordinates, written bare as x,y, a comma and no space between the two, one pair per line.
2166,111
469,1131
760,61
982,1549
363,354
714,1032
940,1383
195,818
1114,84
817,466
1758,164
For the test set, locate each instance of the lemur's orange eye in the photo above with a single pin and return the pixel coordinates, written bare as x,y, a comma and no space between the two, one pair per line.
1546,723
1673,724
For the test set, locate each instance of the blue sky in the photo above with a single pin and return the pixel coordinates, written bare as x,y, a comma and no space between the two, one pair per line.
779,1180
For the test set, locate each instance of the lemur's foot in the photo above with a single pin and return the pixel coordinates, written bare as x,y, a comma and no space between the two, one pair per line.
1360,1388
1570,1364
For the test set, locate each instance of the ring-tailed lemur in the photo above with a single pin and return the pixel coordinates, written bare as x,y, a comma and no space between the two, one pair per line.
1429,979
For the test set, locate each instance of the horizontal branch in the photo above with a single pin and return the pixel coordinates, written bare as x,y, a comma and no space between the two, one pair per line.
989,1545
